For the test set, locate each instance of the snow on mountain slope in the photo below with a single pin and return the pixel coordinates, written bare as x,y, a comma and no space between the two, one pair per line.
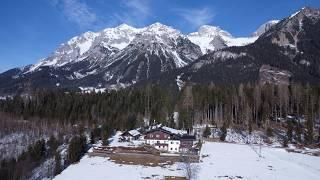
264,28
155,49
113,40
80,47
118,37
211,38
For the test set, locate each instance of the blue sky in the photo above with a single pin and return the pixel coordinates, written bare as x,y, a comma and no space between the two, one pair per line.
32,29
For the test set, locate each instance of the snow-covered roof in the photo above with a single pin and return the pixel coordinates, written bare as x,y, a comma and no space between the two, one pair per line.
134,132
173,131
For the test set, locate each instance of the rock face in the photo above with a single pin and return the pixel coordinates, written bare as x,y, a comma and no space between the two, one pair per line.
122,56
271,75
156,49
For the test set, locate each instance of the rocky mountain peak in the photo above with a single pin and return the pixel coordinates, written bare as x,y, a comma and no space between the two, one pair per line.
125,26
290,32
211,38
308,12
158,29
212,31
265,27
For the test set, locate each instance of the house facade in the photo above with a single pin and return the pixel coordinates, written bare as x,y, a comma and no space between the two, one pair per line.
167,141
186,143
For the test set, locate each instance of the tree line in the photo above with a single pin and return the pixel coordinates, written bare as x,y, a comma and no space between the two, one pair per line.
245,105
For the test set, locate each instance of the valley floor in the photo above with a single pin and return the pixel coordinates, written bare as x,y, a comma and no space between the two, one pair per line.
218,161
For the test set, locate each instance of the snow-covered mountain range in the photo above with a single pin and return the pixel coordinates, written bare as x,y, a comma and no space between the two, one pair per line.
121,56
124,55
98,46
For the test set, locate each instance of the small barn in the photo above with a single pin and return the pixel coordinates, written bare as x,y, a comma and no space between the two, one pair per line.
130,135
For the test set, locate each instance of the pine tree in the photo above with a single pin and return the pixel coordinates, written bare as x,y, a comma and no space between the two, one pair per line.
289,131
298,131
309,134
250,128
105,133
92,138
269,132
76,149
223,132
53,144
285,142
57,169
206,132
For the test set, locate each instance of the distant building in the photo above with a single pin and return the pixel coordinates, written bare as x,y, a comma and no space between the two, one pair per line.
130,135
169,140
297,119
187,142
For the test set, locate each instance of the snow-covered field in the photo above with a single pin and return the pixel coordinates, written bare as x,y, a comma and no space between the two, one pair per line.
234,160
219,161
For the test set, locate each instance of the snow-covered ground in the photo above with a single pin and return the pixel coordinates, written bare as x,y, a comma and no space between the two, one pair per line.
234,160
101,168
219,161
114,141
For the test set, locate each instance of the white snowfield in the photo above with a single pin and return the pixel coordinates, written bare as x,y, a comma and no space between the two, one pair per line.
219,161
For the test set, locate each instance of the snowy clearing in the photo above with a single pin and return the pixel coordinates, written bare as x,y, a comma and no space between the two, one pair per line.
219,161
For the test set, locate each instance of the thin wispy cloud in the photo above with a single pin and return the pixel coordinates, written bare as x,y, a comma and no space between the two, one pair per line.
135,12
196,17
77,11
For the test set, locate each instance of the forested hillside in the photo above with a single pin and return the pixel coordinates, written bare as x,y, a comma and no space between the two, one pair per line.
244,105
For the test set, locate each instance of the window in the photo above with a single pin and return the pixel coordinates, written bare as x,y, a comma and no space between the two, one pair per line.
177,142
170,148
151,135
175,149
157,135
171,142
158,142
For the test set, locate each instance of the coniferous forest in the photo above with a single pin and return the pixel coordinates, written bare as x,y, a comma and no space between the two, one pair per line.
244,105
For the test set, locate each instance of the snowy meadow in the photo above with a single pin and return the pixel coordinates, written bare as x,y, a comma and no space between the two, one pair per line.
218,161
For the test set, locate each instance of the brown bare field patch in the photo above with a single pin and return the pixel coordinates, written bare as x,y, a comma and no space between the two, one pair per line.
174,178
145,156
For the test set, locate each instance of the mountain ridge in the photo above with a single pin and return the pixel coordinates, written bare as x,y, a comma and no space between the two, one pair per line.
103,60
287,53
121,36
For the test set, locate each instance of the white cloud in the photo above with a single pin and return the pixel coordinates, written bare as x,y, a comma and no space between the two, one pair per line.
77,11
196,17
135,12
